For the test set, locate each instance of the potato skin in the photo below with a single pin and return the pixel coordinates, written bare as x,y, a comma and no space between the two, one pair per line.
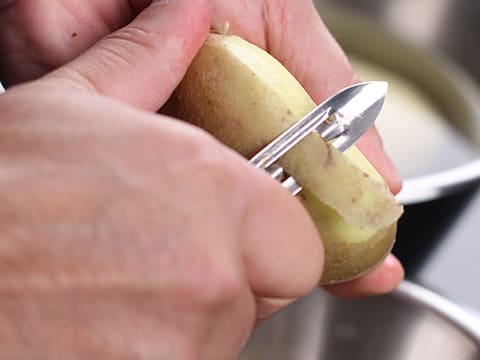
245,111
350,252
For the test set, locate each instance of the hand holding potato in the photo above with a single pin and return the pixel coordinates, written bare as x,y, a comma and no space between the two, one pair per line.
129,233
245,98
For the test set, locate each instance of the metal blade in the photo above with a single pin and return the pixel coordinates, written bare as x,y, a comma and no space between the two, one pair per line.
356,110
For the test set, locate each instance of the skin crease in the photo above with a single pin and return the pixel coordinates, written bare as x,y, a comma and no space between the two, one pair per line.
231,270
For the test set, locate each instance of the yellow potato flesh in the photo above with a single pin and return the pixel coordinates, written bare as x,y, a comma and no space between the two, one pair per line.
245,98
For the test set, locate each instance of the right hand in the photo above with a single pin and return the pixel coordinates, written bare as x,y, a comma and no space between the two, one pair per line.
128,234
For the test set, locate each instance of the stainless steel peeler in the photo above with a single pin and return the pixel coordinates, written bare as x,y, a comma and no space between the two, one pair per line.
341,119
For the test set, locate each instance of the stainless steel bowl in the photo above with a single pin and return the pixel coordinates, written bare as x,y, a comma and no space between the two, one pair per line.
432,46
410,324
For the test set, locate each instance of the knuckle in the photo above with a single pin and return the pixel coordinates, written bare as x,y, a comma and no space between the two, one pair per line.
212,162
212,287
136,36
120,49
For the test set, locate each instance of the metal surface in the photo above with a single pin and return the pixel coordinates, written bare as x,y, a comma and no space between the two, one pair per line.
411,324
341,119
433,45
357,112
438,185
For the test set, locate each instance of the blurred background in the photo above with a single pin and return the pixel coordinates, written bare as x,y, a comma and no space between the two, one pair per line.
429,52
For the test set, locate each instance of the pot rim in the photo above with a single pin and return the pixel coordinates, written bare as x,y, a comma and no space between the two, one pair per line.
463,320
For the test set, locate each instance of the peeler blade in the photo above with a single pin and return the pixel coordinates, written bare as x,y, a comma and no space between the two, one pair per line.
356,111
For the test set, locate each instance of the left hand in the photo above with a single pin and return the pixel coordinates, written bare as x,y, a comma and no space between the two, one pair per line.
37,36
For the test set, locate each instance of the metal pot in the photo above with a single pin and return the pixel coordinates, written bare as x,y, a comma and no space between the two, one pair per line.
411,323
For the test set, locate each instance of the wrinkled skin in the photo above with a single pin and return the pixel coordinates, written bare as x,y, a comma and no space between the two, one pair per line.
107,247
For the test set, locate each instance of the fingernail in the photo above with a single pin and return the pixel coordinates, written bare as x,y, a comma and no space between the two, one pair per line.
162,1
267,307
395,180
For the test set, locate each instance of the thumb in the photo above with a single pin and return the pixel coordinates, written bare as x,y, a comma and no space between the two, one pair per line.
143,62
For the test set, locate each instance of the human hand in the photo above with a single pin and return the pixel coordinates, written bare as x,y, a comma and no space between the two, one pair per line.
35,42
126,234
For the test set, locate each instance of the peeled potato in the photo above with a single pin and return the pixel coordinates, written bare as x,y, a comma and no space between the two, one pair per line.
245,98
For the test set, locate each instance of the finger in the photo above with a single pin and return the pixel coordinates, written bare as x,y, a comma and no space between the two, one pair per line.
300,40
372,147
38,36
282,249
143,62
267,307
380,280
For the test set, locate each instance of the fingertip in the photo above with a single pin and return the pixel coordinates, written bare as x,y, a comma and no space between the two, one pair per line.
267,307
371,145
389,275
381,280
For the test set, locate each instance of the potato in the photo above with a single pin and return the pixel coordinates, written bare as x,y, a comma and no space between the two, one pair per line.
245,98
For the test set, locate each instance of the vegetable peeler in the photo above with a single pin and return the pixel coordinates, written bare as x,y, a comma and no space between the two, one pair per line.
341,120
